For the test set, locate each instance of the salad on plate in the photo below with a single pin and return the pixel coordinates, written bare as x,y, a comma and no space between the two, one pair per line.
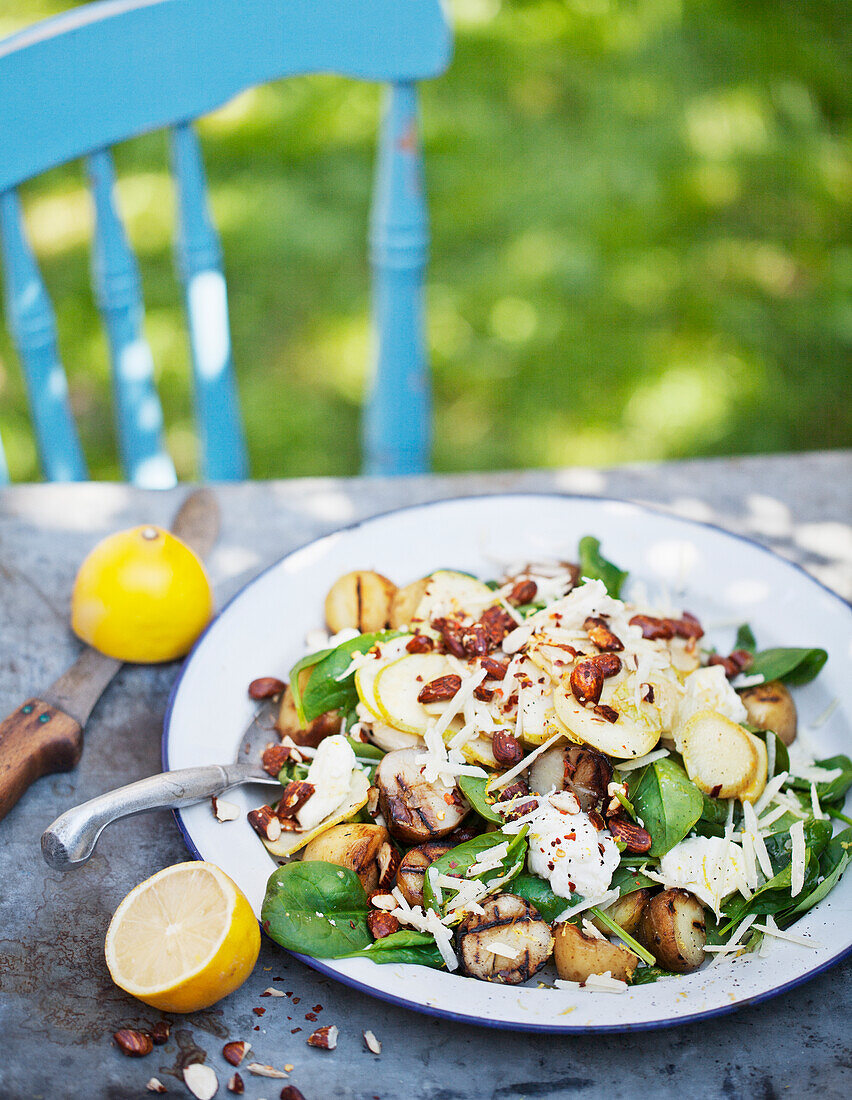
491,776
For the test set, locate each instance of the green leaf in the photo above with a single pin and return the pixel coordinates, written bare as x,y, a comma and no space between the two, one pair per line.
318,909
537,892
300,666
291,771
364,750
793,666
474,790
832,863
405,946
779,844
782,756
774,896
460,859
627,880
668,803
324,691
835,789
745,639
596,567
645,975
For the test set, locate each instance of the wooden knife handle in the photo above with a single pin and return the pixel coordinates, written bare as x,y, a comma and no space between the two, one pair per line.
35,740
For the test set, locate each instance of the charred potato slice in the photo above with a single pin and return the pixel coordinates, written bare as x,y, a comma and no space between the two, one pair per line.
719,755
771,707
288,724
578,956
673,929
411,873
405,601
577,768
416,811
352,845
508,943
360,600
626,912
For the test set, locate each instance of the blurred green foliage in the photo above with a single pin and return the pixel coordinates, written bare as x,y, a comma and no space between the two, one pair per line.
641,249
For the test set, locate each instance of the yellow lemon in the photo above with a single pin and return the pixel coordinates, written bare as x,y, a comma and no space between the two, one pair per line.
141,595
183,939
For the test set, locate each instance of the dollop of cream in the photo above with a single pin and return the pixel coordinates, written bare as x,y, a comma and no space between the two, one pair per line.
568,851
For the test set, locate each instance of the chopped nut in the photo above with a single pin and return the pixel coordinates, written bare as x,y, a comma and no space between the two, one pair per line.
372,1042
498,623
235,1084
633,836
224,811
603,711
387,862
265,823
515,789
133,1043
440,689
733,665
523,592
381,924
201,1080
600,634
647,693
275,757
483,694
387,902
586,682
420,643
653,628
264,687
154,1085
271,991
260,1070
506,748
295,795
325,1038
451,635
235,1051
290,1092
475,640
160,1032
496,669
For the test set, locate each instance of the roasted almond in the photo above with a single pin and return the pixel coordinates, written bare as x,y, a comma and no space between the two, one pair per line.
498,623
603,711
295,795
587,681
265,823
653,628
265,687
601,635
381,924
522,592
133,1043
420,643
633,836
496,669
440,689
160,1032
325,1038
506,748
235,1051
274,758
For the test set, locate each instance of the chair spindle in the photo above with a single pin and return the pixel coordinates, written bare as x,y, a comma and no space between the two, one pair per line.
118,288
33,327
398,412
199,253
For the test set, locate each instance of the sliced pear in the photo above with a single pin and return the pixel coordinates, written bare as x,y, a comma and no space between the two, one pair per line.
624,739
404,603
390,739
451,595
356,798
365,676
720,757
755,789
398,684
477,751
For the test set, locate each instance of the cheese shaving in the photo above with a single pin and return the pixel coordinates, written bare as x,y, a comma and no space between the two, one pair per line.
770,791
641,761
503,950
733,944
522,765
797,873
605,983
815,806
774,931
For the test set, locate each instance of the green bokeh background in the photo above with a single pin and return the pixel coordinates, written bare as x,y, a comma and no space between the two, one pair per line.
641,249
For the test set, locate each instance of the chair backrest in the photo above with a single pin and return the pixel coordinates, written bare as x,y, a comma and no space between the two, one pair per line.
77,84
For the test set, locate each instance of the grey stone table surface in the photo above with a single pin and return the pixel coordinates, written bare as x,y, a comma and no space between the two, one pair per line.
58,1007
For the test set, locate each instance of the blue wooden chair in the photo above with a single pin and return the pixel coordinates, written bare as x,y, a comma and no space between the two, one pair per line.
77,84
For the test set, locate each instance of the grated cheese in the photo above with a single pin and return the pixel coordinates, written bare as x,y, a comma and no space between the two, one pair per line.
592,930
770,791
733,944
813,773
753,826
774,931
771,749
603,901
815,806
797,874
742,682
605,983
641,761
770,818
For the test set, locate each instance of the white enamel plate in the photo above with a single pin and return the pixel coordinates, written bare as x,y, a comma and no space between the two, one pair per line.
721,578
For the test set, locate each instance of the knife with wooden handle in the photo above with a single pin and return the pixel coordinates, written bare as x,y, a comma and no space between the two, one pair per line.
45,734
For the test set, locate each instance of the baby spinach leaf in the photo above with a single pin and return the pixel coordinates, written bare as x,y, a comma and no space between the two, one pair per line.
538,893
627,880
645,975
405,946
295,678
782,756
474,790
596,567
318,909
364,750
667,801
324,691
793,666
779,844
832,863
745,639
774,896
291,771
835,789
458,861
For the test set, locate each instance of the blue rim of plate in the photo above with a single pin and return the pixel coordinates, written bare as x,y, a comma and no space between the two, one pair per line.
461,1017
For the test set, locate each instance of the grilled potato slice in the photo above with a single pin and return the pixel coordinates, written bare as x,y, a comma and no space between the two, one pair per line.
508,943
673,929
411,872
755,789
771,707
720,756
626,912
578,956
416,811
405,602
351,845
360,600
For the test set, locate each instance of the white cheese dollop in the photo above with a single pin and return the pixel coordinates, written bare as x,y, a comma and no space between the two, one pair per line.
330,772
568,851
709,867
708,689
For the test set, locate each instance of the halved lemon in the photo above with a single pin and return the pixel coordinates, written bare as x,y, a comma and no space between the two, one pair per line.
183,939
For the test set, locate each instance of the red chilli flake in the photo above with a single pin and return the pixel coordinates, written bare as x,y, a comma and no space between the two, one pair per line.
297,999
312,1016
259,1011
